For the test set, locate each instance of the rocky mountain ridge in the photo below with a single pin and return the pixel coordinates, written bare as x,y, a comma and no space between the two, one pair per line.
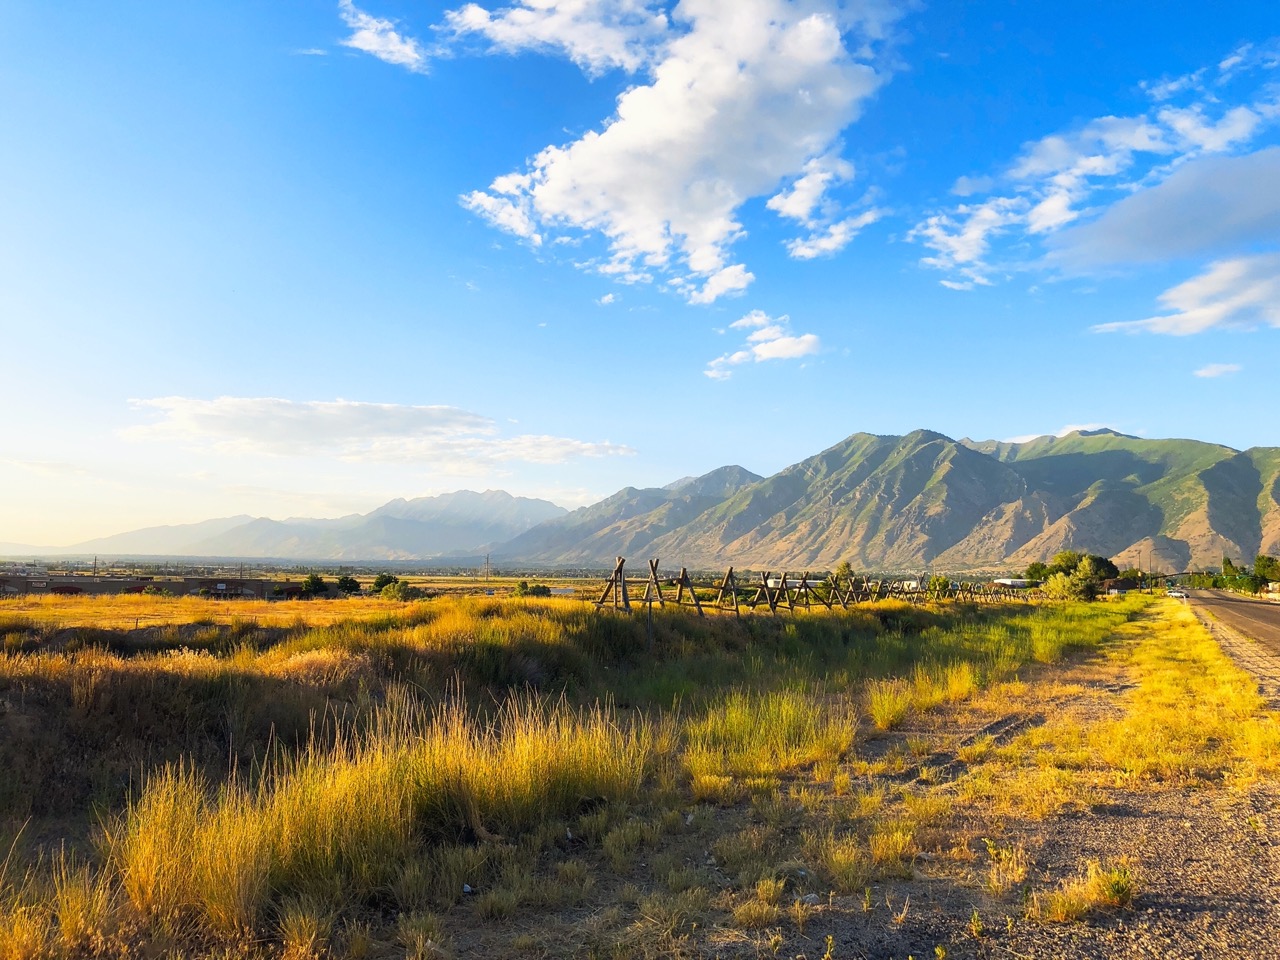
925,500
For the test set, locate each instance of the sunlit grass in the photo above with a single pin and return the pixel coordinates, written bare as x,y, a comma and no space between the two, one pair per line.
394,790
1109,886
338,823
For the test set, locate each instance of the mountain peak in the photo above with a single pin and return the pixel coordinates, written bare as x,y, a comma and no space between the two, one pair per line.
720,482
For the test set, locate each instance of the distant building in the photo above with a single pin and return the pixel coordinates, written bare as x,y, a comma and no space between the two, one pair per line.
1017,583
1118,587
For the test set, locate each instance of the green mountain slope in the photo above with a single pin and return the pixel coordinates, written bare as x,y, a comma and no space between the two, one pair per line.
887,501
626,523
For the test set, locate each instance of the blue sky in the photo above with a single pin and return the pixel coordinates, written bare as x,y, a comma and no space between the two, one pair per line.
296,259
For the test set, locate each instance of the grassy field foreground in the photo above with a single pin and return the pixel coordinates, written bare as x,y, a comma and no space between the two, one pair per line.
484,777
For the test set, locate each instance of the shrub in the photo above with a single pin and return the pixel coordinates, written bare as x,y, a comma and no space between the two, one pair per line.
523,589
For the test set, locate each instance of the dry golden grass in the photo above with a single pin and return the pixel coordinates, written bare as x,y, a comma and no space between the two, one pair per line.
124,611
537,804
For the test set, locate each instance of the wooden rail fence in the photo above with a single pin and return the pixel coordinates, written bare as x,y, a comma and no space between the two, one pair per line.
789,591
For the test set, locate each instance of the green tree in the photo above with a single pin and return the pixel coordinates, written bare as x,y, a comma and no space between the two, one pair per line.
399,590
844,570
1037,571
348,584
382,581
1133,573
1103,569
523,589
1268,568
314,585
1063,586
1065,561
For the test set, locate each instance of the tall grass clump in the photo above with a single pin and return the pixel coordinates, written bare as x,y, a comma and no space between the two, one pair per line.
888,702
748,734
25,925
338,823
1110,886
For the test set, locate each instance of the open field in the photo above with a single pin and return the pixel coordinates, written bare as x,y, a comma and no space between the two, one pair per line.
484,777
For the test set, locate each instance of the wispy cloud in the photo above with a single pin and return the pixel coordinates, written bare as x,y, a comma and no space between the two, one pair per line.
1064,190
607,299
1244,292
1218,370
1211,205
381,39
48,468
768,338
449,439
597,35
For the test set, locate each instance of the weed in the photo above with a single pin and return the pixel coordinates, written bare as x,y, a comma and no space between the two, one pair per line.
888,702
845,860
1008,867
422,936
1109,886
84,902
755,915
621,843
975,925
977,750
305,927
891,847
800,913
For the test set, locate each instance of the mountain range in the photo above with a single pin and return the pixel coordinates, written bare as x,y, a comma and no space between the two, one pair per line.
886,503
423,528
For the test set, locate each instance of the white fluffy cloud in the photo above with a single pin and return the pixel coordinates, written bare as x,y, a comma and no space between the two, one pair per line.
742,99
1211,370
1244,292
447,438
1126,179
512,216
380,38
769,339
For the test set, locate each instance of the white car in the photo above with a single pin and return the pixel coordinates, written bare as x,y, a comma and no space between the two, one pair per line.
1178,594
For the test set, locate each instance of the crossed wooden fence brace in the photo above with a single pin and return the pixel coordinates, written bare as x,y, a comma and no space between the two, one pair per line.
792,592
